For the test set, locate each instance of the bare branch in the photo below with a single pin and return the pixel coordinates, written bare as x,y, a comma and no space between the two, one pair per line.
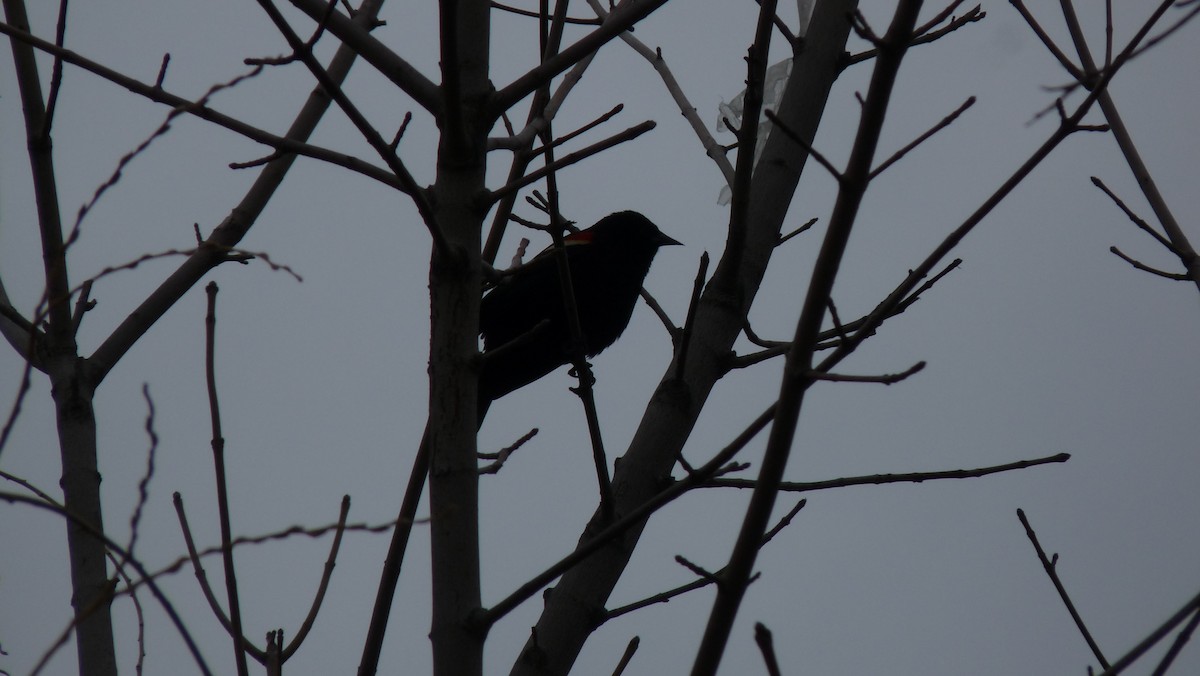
569,159
218,450
283,144
388,63
685,337
145,576
945,122
244,645
798,231
386,152
1137,220
1065,62
714,150
925,34
1179,277
877,479
630,649
323,585
616,23
501,456
1049,565
886,379
525,12
710,469
766,645
813,152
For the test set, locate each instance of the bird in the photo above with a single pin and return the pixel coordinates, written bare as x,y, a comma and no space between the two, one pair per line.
523,320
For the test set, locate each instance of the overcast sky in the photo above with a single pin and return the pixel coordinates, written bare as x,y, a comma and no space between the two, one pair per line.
1042,342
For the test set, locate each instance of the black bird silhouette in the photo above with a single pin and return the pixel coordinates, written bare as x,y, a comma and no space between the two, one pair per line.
523,320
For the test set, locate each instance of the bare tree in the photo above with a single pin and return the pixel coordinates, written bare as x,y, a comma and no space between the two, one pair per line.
466,213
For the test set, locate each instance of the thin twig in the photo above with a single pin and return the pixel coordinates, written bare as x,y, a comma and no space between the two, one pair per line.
571,158
501,456
323,585
1050,565
970,16
193,555
144,485
146,577
685,337
1179,277
1155,636
713,467
666,596
798,231
885,379
878,479
218,450
630,649
945,122
813,152
368,132
766,645
1177,645
1135,219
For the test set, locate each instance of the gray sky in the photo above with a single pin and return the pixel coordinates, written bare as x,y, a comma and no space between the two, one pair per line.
1042,342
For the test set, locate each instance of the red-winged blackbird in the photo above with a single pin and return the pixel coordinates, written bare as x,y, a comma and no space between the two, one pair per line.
526,333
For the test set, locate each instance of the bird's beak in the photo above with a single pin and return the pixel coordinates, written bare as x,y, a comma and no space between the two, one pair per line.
663,240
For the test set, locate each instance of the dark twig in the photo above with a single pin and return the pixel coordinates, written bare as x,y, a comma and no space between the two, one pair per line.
703,473
630,649
698,570
82,304
218,450
783,29
766,645
162,71
591,21
927,36
1177,276
1155,636
1037,29
1177,645
798,231
945,122
747,137
193,555
1050,565
571,158
615,23
60,36
685,337
1137,220
831,338
665,597
816,155
659,312
501,456
323,585
144,485
368,132
877,479
146,577
886,379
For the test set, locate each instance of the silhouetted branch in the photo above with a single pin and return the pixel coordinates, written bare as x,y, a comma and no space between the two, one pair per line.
323,585
878,479
945,122
885,379
1050,565
766,645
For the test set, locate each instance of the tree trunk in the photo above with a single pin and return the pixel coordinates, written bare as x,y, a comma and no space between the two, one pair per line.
577,603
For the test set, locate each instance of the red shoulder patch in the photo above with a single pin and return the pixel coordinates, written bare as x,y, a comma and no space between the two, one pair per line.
581,237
